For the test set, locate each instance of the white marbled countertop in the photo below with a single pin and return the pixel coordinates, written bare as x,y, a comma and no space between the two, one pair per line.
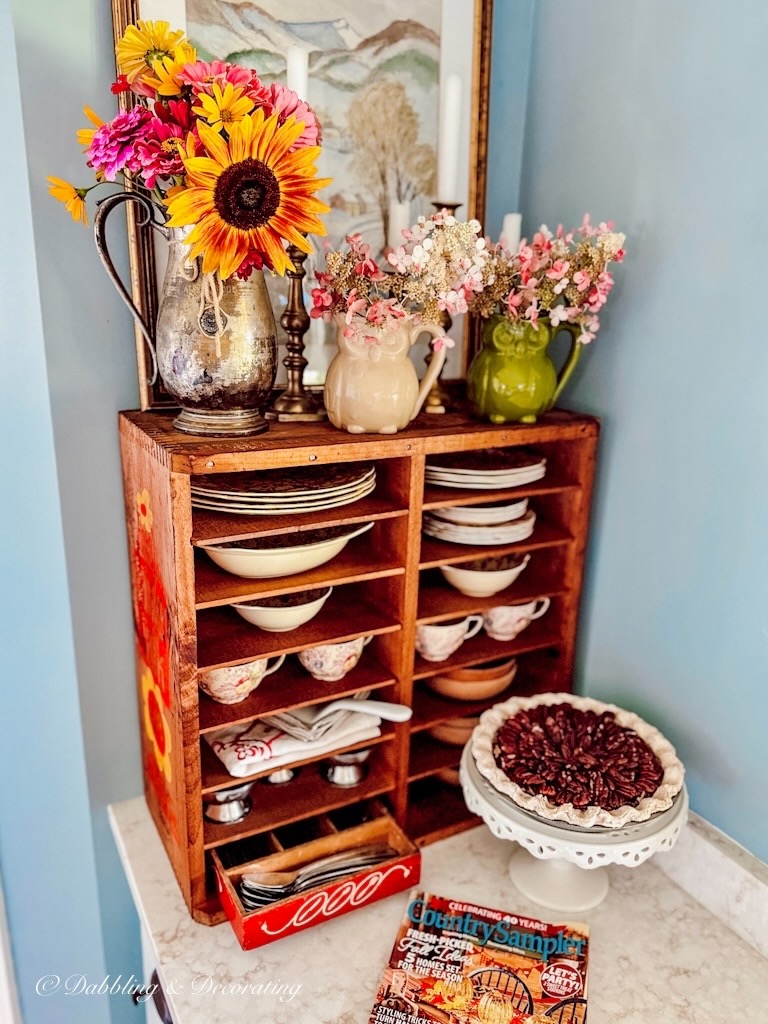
658,954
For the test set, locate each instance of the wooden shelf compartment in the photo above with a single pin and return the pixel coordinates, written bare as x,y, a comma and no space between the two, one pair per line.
439,600
214,775
304,797
429,755
292,687
438,497
224,638
534,674
388,500
356,563
540,635
435,553
217,527
436,810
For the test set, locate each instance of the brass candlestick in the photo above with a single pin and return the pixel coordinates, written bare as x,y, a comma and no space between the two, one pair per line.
296,403
437,400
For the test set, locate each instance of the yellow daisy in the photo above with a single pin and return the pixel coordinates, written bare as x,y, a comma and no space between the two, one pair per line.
223,109
250,193
85,135
142,45
166,70
73,198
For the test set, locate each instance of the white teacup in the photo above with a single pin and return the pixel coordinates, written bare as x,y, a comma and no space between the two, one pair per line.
332,661
437,641
231,685
507,620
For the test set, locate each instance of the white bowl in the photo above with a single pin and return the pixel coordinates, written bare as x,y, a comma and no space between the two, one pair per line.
482,582
266,563
281,619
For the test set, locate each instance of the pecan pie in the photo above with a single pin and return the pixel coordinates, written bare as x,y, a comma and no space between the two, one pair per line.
578,760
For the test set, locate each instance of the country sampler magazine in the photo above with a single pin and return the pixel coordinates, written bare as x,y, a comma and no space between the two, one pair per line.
459,963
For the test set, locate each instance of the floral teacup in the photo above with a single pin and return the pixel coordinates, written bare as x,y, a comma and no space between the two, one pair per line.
332,661
437,641
231,685
507,620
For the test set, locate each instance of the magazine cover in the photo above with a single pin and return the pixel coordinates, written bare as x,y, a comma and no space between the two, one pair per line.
459,963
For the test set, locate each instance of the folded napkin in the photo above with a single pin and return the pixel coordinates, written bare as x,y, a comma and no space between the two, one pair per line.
257,747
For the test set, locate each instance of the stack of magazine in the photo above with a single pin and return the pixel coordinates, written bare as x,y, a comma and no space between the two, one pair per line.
456,962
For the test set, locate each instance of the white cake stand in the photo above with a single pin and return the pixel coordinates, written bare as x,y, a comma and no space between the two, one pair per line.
562,866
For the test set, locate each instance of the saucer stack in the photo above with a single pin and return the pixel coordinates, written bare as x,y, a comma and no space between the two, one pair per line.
492,469
499,533
275,492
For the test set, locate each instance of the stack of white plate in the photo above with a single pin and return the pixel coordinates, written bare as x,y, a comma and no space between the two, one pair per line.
482,515
275,492
500,533
492,469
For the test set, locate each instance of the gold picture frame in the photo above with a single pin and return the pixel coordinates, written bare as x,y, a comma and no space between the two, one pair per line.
142,238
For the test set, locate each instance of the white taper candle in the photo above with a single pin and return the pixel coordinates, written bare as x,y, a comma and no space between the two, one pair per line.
297,70
448,141
510,231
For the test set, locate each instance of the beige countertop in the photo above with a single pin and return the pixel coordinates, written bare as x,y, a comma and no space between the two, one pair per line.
658,953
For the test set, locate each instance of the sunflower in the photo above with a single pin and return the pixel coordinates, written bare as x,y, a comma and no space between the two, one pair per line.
249,194
73,198
224,108
142,45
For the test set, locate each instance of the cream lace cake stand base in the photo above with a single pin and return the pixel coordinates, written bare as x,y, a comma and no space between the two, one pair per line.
558,865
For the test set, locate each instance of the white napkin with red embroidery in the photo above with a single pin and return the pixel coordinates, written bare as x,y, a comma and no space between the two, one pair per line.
247,749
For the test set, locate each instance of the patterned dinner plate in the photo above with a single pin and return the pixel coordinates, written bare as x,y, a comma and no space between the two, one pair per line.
308,480
284,508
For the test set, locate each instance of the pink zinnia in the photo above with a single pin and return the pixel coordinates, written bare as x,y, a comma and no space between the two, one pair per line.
114,145
159,152
201,75
287,104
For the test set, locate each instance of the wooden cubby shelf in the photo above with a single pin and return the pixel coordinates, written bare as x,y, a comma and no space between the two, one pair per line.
309,794
215,587
292,687
227,639
215,776
215,527
385,583
435,553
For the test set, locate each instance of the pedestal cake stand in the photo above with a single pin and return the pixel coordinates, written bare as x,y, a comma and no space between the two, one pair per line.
562,866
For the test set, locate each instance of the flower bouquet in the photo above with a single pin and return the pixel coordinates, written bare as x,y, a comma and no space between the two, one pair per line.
371,383
558,281
437,268
224,165
213,147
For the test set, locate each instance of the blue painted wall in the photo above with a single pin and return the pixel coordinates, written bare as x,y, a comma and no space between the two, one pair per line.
651,112
46,851
72,676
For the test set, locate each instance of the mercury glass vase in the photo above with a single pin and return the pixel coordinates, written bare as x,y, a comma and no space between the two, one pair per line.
216,345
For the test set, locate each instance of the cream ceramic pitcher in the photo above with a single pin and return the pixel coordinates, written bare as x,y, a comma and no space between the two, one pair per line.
371,386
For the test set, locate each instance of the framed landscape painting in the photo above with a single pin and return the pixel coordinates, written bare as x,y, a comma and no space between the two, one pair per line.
375,73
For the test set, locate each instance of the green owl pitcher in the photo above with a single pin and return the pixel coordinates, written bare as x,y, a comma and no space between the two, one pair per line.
512,379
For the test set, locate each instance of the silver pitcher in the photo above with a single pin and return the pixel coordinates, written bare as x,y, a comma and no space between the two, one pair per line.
215,342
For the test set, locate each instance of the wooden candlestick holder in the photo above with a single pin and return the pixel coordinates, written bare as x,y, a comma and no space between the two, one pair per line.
296,403
436,401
